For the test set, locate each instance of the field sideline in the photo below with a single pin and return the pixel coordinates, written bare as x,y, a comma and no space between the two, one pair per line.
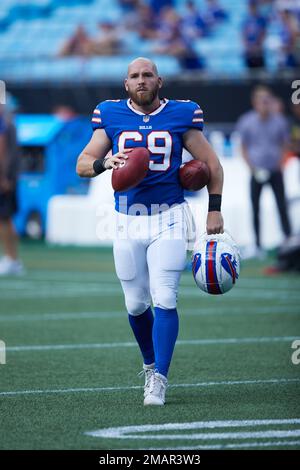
70,381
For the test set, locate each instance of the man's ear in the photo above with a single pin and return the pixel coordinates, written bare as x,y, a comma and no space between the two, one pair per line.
160,82
126,84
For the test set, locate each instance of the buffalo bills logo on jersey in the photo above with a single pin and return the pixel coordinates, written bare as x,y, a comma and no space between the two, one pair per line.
229,263
196,263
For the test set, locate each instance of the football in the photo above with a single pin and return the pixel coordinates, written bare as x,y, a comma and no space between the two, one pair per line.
194,175
132,171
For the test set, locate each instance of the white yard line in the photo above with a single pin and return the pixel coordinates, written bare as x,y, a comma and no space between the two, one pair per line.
206,310
19,285
167,431
28,290
246,294
130,344
117,389
27,283
209,436
186,279
234,423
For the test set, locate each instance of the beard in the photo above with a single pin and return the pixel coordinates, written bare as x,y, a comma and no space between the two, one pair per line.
144,98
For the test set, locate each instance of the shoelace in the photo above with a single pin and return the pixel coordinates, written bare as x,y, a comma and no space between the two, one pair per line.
147,373
156,385
144,372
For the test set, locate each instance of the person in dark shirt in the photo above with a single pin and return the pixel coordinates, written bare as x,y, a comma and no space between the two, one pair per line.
9,163
214,13
157,5
253,32
193,25
172,41
264,137
295,130
289,35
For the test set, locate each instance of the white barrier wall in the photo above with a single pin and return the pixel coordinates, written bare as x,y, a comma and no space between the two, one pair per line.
89,220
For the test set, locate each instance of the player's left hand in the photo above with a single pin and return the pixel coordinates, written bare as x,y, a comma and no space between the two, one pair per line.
214,223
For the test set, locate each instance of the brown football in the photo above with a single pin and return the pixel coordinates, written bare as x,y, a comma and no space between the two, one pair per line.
194,175
132,171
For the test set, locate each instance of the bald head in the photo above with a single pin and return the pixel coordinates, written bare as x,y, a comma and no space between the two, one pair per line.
142,62
143,83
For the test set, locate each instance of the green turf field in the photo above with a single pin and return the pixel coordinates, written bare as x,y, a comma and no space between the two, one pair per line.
72,362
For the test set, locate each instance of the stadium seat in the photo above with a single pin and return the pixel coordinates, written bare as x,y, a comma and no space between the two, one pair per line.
44,25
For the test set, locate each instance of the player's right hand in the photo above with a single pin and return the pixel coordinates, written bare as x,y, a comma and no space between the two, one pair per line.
113,161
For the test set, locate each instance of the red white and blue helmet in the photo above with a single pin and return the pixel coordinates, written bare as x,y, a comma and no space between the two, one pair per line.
216,263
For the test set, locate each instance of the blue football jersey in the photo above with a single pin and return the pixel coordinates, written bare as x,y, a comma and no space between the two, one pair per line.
162,133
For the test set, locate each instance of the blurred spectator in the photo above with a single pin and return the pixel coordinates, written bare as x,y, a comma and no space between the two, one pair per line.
129,5
192,24
266,8
264,136
214,13
168,22
289,36
9,164
143,21
172,42
295,130
147,27
108,41
253,32
158,5
79,44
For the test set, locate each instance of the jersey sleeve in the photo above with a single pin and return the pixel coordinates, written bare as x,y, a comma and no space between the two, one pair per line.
102,118
97,118
196,120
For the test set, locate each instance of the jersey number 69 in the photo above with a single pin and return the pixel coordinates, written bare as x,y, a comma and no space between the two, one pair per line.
164,149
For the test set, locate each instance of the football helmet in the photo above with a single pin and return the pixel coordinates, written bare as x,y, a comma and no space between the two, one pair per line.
216,263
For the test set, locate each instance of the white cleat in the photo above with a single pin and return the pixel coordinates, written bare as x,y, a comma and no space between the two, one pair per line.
148,371
157,390
11,267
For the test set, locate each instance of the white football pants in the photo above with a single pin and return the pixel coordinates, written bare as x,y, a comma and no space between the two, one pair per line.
150,254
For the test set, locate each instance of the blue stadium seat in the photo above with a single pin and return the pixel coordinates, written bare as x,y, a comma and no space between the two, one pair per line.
34,30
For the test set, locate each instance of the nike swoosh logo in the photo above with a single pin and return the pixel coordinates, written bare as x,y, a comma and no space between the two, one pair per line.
171,225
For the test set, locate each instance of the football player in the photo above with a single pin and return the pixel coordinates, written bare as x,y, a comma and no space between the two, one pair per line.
149,260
